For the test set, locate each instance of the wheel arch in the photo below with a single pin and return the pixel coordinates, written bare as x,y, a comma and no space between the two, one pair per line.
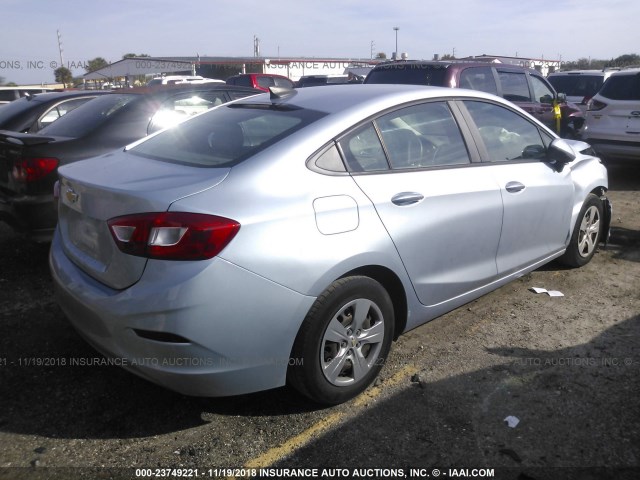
393,285
607,212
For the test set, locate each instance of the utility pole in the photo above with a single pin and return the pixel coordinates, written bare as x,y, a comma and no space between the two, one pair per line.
395,54
373,46
256,46
60,47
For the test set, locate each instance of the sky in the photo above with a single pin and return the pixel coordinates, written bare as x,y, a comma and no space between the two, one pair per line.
551,29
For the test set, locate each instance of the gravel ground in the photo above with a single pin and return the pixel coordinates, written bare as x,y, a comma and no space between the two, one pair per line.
566,368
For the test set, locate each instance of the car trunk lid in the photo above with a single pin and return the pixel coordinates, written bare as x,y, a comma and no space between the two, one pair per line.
97,190
18,152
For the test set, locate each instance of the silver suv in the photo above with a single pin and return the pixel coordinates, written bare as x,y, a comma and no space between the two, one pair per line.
612,124
579,85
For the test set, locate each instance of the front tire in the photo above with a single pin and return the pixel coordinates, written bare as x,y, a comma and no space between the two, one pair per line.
343,342
586,233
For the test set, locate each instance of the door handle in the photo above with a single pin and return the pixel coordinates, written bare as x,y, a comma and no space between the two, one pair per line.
514,187
406,198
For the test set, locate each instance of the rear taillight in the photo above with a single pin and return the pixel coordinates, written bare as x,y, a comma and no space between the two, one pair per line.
31,169
595,105
173,235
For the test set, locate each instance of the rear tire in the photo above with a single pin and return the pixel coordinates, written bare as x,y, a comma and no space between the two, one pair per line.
343,342
586,233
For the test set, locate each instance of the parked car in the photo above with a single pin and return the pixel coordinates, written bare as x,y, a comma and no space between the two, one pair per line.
320,80
181,80
261,81
579,85
289,237
29,162
33,113
9,94
613,117
525,87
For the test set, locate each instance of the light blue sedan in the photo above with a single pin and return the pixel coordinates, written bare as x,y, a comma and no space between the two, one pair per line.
291,236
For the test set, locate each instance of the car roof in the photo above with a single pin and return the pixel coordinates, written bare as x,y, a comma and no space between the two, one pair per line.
578,72
257,75
181,87
626,71
25,88
459,64
362,97
54,96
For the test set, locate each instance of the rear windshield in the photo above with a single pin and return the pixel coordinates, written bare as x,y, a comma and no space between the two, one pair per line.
622,87
409,74
227,135
88,116
577,85
10,110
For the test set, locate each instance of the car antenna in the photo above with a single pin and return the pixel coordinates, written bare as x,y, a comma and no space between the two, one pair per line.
280,93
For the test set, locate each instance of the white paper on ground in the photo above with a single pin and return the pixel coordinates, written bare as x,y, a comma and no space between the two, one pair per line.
512,421
551,293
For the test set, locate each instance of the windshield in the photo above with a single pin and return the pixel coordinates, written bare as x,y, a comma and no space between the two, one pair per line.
88,116
577,85
226,135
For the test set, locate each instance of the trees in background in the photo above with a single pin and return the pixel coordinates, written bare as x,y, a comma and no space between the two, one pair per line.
626,60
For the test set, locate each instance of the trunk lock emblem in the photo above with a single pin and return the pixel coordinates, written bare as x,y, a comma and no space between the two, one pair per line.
72,197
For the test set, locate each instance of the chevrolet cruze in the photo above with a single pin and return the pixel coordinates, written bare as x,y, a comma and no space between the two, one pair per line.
289,237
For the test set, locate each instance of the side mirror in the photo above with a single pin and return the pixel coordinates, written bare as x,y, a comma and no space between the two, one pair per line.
560,153
534,151
548,99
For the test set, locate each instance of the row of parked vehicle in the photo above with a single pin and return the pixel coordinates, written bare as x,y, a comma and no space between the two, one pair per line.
32,147
610,100
289,237
39,133
607,118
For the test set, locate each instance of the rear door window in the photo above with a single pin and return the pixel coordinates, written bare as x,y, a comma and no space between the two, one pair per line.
514,86
479,78
423,135
58,111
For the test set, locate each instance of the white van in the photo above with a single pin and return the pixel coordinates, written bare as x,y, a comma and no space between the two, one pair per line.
180,80
9,94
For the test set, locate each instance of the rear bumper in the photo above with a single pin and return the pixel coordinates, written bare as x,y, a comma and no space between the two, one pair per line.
613,149
34,215
213,331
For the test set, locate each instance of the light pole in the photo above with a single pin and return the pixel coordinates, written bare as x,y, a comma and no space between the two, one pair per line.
395,56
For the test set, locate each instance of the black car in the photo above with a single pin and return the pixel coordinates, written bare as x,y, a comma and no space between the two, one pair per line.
29,162
33,113
321,80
